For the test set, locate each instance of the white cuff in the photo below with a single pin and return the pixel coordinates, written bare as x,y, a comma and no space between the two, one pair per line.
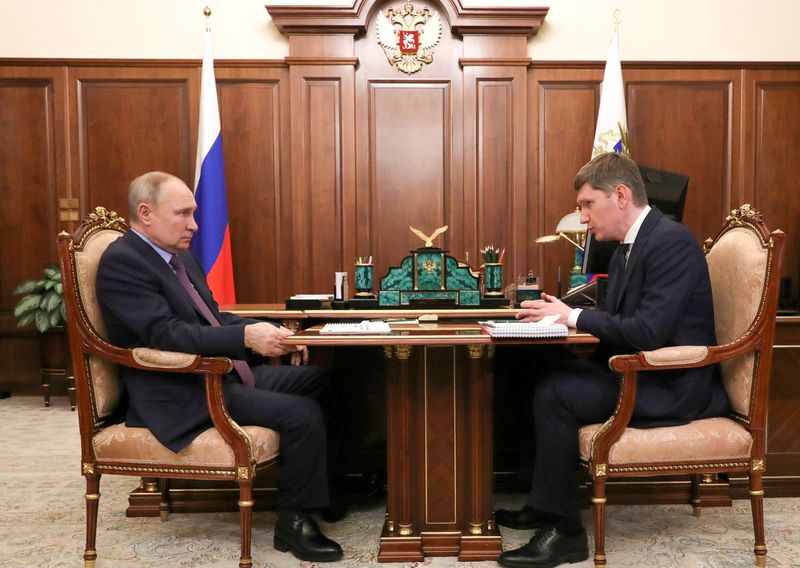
572,319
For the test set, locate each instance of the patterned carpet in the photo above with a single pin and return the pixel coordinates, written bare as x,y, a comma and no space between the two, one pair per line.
42,518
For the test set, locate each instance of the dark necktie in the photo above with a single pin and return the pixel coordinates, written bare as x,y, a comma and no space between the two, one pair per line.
616,275
242,368
624,248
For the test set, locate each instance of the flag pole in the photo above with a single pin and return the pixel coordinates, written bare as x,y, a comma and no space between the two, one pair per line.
207,12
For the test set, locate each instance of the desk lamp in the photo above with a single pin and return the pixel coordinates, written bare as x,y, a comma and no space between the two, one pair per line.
573,231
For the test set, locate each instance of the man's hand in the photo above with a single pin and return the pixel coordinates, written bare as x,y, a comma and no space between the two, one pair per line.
267,340
534,310
300,357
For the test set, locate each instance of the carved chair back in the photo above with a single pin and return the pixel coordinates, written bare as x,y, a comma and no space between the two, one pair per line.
97,382
741,263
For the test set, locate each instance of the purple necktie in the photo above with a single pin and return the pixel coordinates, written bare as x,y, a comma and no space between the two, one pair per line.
242,368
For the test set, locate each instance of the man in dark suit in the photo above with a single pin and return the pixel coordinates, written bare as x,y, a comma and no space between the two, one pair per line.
659,294
153,293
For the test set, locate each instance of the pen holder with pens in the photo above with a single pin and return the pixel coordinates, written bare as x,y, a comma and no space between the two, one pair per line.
493,279
365,276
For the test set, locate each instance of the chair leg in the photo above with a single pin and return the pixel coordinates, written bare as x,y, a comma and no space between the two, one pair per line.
757,508
46,387
92,501
697,509
599,505
71,391
246,520
163,506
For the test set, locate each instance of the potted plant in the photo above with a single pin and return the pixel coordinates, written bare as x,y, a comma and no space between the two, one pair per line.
42,301
42,304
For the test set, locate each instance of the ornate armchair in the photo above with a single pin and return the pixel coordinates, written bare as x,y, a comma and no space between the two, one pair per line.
225,451
744,261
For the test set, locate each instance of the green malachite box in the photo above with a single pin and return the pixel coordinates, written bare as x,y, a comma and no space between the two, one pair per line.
429,273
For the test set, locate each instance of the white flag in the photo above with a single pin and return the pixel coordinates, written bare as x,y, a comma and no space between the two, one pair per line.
611,134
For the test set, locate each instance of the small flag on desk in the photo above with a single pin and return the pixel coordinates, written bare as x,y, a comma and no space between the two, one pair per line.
212,242
611,134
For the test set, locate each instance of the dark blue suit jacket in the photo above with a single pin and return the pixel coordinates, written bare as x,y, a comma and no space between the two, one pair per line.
662,298
144,305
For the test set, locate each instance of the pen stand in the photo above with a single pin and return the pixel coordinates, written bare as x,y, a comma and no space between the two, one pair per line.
493,286
364,298
493,279
364,280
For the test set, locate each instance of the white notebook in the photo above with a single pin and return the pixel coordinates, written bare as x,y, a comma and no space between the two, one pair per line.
363,327
546,327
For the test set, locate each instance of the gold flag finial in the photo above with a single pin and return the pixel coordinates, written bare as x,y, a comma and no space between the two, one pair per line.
616,18
207,13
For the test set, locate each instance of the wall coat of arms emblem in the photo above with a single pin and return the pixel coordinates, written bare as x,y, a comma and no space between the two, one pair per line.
408,36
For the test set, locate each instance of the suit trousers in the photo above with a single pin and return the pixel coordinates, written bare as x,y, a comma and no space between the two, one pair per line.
294,401
566,396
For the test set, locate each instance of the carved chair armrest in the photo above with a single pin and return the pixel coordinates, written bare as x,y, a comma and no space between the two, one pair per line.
676,357
212,368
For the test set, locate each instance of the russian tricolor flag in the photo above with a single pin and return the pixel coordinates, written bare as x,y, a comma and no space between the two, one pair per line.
212,242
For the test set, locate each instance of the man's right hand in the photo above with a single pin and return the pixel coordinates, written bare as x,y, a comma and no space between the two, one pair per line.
267,340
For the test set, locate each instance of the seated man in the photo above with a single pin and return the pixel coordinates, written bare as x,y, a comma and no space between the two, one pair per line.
659,294
153,293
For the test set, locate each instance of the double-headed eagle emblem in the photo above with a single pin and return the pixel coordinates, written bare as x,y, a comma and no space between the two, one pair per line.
408,36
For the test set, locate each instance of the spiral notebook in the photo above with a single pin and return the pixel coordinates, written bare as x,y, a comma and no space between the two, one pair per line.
546,327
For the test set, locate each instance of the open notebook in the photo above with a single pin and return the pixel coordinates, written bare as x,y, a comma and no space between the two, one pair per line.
545,327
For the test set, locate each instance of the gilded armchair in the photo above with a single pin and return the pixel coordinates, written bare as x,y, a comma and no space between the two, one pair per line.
225,451
744,262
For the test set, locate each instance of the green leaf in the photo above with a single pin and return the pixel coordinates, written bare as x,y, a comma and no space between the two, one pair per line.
59,288
49,284
26,319
55,319
51,272
62,309
52,302
27,286
27,304
42,321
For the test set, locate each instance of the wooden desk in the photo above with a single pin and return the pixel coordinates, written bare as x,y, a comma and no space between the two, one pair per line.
439,437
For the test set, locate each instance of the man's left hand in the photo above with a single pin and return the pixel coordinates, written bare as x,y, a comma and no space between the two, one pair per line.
534,310
300,357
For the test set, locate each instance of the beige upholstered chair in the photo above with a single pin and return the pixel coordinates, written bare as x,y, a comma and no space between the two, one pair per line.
744,261
225,451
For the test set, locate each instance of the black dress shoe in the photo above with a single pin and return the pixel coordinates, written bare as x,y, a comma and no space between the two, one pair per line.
548,548
300,534
525,518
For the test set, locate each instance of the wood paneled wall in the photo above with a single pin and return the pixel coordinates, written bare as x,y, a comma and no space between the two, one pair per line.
327,159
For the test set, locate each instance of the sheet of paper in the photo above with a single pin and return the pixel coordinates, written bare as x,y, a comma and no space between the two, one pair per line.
321,297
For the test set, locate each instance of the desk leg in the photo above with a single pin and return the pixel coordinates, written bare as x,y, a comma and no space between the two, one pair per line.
482,541
399,541
439,429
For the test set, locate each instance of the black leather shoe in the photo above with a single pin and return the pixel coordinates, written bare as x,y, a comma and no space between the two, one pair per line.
548,548
300,534
525,518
